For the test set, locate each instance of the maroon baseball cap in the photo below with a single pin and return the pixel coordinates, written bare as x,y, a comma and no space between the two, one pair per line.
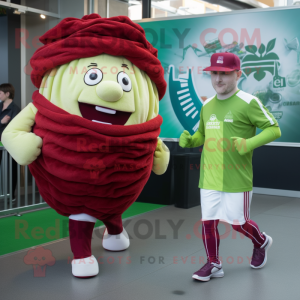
224,61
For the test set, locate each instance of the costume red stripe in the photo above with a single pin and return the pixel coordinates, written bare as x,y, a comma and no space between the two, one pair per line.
247,206
91,168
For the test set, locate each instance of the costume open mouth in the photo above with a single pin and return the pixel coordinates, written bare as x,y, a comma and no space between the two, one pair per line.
104,115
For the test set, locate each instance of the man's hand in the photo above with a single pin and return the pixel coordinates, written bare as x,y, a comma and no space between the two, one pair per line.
240,145
5,120
185,139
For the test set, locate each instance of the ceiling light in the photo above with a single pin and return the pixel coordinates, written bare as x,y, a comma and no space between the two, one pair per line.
43,16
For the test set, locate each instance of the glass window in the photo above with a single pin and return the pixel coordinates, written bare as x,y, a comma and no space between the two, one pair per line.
135,9
163,9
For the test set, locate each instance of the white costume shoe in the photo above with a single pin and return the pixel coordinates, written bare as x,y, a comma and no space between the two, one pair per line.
85,267
118,242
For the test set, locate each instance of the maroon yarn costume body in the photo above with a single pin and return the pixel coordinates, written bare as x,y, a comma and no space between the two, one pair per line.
73,175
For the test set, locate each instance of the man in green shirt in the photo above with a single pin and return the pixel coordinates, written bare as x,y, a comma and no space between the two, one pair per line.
227,128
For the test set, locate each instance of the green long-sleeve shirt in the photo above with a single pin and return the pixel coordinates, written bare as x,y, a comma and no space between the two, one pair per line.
223,168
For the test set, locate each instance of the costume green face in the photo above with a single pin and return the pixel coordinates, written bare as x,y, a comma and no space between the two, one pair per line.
104,89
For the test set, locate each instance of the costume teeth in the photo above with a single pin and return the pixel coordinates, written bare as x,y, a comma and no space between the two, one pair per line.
105,110
101,122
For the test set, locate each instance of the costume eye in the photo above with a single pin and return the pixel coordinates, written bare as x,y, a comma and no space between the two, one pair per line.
124,81
93,76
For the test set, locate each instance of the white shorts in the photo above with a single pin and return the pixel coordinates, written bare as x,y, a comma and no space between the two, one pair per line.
233,208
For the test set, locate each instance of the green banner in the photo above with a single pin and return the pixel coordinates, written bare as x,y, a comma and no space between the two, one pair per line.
267,43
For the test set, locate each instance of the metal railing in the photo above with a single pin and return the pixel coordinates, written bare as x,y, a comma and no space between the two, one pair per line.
27,196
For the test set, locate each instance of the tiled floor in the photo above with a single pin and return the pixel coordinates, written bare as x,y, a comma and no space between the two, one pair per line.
165,250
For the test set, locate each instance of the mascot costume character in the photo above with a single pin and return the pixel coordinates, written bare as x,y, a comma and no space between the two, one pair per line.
90,136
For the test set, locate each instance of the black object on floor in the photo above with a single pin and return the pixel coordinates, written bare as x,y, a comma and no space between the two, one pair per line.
185,179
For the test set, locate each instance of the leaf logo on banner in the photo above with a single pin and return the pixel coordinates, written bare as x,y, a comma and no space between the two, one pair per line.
184,99
271,45
197,51
260,60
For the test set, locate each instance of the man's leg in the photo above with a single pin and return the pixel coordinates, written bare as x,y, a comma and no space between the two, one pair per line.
210,204
250,229
211,240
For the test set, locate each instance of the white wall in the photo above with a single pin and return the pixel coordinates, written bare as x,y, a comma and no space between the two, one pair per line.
117,8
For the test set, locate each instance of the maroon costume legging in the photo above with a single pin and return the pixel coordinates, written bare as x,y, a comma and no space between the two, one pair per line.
211,237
